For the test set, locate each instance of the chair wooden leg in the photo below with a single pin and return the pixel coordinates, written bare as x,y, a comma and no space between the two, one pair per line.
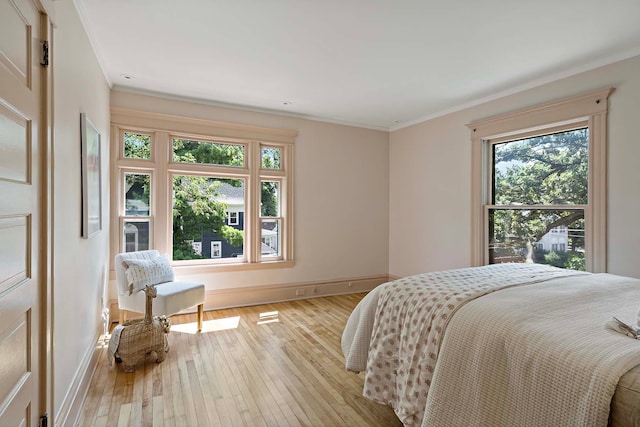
123,316
200,314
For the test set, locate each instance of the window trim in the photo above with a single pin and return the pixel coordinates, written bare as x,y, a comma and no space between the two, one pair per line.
237,216
590,108
163,128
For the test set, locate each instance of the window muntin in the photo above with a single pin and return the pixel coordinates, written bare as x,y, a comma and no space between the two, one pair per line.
200,205
208,152
136,146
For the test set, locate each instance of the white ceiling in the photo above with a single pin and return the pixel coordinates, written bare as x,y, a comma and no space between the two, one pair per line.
380,64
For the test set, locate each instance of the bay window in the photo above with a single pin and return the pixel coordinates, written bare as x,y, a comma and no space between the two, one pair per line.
207,193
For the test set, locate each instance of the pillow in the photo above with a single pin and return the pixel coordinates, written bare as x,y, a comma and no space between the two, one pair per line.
147,272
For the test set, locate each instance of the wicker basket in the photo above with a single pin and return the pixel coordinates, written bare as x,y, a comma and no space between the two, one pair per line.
142,338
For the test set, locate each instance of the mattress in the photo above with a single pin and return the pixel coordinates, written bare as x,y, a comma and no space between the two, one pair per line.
625,405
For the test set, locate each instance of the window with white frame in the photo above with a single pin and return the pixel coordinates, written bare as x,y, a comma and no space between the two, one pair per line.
233,218
197,247
216,249
539,177
183,190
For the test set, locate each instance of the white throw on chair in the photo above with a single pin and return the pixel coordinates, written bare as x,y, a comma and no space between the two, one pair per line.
172,297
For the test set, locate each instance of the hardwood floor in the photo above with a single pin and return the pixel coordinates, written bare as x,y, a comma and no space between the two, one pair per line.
269,365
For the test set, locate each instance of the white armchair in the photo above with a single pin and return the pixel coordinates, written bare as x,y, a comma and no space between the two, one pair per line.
171,298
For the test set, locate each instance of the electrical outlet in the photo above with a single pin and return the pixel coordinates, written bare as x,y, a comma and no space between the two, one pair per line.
315,290
300,292
350,284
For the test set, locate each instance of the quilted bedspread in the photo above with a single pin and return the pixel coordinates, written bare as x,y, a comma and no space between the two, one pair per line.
536,355
411,315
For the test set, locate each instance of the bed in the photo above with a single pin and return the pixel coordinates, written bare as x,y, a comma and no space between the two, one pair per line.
499,345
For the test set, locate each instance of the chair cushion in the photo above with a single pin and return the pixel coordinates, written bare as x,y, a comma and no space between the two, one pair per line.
172,297
141,273
176,296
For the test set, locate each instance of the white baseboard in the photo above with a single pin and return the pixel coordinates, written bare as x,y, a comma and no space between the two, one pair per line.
255,295
227,298
69,412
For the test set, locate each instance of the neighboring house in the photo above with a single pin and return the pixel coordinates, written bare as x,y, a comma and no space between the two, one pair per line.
136,236
211,245
556,240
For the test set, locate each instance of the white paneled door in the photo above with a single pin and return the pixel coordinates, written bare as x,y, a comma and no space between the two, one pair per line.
21,205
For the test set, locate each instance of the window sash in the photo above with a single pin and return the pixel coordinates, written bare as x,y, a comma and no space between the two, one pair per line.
124,221
491,147
280,221
487,246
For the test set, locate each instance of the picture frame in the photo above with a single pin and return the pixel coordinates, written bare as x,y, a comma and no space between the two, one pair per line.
91,178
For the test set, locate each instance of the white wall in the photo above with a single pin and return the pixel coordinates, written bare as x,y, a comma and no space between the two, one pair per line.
430,180
79,264
341,179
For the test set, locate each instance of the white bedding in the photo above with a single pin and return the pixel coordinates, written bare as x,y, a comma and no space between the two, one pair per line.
405,336
546,360
409,316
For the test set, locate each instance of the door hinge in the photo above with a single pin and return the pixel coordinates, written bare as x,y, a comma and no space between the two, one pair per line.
45,54
44,420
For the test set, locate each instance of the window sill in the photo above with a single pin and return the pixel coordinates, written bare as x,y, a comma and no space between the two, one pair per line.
216,268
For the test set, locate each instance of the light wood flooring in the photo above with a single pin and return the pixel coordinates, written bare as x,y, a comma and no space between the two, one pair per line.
268,365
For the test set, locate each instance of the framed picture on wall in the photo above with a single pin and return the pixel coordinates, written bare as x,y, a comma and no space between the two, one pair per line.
91,178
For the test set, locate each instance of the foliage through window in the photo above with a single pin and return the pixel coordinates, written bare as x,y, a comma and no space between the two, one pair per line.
271,158
137,194
532,177
137,146
207,152
200,206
